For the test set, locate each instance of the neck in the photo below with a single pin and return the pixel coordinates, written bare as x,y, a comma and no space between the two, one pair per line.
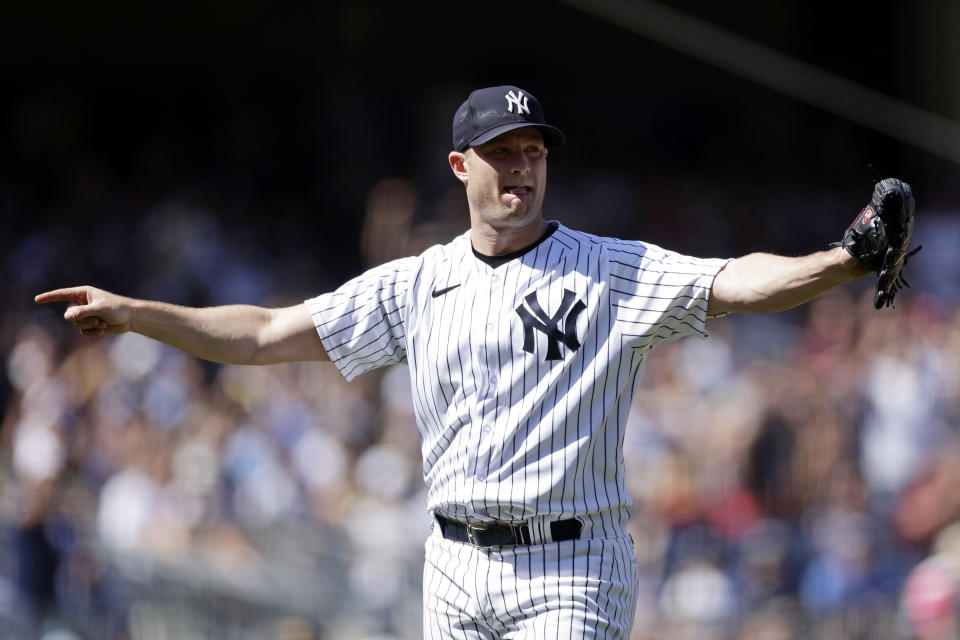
494,241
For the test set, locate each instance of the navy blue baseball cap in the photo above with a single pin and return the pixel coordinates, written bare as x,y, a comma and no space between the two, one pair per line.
489,112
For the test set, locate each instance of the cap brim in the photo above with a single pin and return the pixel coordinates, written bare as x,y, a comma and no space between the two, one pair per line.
552,137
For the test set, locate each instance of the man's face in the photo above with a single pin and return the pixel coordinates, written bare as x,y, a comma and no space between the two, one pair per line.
505,178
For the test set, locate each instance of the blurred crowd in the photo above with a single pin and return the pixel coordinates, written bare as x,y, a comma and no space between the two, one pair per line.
794,476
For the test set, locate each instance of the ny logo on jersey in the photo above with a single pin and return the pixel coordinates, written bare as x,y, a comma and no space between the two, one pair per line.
535,318
519,100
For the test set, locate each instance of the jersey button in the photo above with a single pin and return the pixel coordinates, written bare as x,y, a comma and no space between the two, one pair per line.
491,327
493,381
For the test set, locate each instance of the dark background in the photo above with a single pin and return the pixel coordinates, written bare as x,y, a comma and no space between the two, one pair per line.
281,118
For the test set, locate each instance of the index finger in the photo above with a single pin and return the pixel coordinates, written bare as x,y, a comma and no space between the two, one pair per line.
70,294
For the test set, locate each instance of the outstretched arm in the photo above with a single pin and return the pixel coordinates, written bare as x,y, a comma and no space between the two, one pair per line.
765,283
876,241
233,334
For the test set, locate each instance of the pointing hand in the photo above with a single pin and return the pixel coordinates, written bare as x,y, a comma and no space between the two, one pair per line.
93,311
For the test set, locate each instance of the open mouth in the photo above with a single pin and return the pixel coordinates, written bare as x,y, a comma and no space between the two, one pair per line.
517,191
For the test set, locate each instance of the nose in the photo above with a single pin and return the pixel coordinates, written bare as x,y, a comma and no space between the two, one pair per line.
521,165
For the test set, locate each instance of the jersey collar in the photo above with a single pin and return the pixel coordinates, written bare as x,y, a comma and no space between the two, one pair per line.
495,261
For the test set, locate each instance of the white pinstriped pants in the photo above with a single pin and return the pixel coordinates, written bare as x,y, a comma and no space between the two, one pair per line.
572,589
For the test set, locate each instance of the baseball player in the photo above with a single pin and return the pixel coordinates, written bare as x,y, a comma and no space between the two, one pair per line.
524,340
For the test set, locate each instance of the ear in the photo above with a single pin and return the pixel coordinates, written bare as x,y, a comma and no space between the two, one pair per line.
458,165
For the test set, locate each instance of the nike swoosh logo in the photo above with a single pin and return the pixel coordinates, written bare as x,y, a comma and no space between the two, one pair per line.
436,293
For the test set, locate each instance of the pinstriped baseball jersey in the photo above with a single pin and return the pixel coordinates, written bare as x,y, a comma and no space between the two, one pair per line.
522,375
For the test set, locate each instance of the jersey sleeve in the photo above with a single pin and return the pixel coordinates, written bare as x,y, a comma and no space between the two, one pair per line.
658,294
361,324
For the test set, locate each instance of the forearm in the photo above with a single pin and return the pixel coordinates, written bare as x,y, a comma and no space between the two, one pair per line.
765,283
232,334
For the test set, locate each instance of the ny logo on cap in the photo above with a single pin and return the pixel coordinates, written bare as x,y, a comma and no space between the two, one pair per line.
519,100
536,319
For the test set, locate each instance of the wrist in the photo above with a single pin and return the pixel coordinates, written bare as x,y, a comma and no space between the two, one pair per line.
134,317
850,264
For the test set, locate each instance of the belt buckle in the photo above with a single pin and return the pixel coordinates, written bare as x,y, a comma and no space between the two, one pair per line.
477,527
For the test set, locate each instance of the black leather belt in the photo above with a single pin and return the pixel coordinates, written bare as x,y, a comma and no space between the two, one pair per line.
493,534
